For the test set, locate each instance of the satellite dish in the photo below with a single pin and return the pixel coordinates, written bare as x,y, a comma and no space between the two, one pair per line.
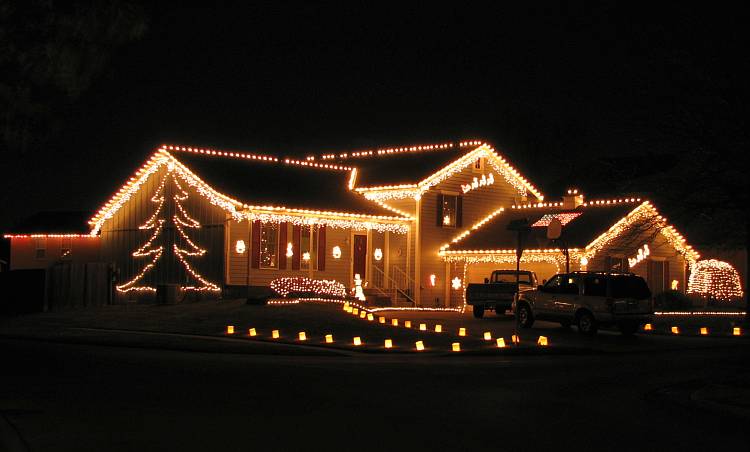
554,229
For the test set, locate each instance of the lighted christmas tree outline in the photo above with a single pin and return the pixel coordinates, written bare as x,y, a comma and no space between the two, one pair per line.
180,219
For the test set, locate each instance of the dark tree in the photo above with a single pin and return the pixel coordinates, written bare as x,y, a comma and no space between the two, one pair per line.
50,53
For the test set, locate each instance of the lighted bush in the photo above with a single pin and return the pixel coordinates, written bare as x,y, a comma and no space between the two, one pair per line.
306,287
715,280
672,300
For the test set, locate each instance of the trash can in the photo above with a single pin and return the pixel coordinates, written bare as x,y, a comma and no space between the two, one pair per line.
167,293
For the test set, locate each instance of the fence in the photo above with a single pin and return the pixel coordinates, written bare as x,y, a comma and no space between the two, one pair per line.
76,285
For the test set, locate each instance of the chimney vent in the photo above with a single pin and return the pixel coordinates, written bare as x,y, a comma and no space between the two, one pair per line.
572,199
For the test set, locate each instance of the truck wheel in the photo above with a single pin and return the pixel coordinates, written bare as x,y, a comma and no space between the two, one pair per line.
628,328
586,324
478,311
524,316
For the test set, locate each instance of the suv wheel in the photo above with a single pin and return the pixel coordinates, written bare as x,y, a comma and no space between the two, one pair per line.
478,311
586,323
628,328
524,316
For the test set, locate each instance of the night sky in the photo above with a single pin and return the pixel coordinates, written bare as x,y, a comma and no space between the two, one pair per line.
557,89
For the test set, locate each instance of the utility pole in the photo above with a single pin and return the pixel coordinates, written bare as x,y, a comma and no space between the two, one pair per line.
554,231
522,228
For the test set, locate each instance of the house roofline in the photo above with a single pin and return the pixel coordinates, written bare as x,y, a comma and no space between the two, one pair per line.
236,208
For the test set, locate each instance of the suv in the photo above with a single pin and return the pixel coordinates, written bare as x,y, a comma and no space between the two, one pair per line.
590,300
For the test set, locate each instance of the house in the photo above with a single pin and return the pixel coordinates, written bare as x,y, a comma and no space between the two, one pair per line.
413,225
48,238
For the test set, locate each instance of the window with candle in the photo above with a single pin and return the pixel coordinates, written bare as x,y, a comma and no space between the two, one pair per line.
309,247
449,211
269,245
65,247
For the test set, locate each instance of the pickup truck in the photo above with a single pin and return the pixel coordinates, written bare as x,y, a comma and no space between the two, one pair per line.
498,291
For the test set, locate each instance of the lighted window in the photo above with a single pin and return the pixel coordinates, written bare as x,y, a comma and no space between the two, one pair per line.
478,164
65,247
309,247
449,211
41,247
269,245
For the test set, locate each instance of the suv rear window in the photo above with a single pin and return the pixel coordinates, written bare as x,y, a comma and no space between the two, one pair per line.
629,287
595,286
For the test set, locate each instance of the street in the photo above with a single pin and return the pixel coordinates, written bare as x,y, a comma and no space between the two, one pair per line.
60,396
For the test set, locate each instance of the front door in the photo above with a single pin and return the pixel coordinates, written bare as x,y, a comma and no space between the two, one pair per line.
359,259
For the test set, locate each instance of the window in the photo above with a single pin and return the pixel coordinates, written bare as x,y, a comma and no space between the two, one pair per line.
595,286
617,264
510,277
562,284
41,247
65,247
269,245
449,211
553,285
309,247
658,275
629,287
478,165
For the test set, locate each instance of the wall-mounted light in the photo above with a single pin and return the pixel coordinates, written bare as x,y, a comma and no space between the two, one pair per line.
239,247
433,279
336,252
289,249
378,254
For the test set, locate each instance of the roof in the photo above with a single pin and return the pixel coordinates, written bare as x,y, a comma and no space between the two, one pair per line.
587,228
412,165
586,223
280,183
395,164
60,222
404,168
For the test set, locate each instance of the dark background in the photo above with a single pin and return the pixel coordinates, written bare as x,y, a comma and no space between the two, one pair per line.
610,97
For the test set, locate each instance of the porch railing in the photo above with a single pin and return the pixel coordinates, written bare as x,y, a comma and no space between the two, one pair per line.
398,287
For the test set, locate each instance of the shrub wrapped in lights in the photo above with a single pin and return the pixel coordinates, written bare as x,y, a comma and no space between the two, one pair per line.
716,280
306,287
